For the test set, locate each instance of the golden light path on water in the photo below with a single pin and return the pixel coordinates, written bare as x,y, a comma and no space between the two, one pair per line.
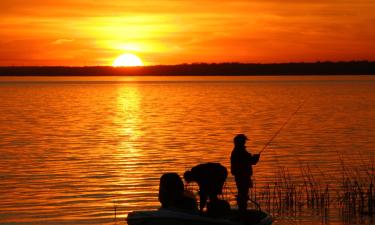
128,119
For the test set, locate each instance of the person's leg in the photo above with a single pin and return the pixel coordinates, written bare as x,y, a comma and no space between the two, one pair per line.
243,185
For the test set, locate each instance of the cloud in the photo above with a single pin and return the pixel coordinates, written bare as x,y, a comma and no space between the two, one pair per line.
62,41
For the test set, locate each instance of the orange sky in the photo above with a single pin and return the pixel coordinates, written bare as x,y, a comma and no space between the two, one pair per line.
89,32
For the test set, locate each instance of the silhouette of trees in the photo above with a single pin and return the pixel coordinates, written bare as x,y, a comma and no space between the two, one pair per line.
199,69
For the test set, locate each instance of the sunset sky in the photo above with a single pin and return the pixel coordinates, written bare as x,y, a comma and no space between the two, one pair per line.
88,32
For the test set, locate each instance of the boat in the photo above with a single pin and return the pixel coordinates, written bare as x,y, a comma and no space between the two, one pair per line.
175,217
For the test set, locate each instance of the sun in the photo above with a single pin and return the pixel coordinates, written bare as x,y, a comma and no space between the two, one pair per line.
127,59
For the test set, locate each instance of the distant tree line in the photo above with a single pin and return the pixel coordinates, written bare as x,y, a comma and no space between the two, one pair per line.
200,69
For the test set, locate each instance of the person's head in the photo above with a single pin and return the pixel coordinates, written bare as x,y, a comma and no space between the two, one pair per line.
240,140
188,176
171,189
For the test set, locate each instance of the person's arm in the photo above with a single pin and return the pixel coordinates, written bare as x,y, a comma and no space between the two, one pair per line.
254,158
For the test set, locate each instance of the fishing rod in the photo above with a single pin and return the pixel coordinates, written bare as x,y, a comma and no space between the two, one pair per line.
285,123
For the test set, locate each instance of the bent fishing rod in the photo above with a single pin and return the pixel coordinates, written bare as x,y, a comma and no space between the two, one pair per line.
282,127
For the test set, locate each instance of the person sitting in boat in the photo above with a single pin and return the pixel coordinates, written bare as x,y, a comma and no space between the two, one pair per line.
210,178
172,196
241,168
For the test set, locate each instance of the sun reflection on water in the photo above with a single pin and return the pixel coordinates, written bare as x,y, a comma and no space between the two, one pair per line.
131,155
128,115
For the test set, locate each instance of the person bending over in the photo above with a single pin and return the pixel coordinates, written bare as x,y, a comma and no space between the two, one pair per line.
210,178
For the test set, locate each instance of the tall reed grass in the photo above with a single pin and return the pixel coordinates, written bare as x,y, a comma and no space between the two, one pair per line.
354,194
352,191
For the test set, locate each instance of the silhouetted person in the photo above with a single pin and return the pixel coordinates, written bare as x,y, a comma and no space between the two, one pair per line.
210,178
241,168
171,194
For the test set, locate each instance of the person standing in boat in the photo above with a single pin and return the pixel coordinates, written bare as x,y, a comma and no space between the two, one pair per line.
241,168
210,178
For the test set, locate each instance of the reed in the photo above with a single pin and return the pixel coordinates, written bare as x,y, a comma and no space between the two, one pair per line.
357,195
285,193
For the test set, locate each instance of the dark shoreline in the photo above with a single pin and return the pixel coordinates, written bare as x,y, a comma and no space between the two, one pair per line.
200,69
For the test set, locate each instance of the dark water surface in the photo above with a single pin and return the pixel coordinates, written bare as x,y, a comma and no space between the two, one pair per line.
73,150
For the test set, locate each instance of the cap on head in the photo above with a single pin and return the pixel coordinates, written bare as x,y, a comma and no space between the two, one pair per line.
240,139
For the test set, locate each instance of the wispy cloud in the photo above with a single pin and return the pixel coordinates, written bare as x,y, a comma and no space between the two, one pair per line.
62,41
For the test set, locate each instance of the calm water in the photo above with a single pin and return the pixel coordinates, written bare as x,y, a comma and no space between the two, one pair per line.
73,149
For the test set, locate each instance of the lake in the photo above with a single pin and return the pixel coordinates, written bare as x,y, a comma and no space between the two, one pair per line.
87,150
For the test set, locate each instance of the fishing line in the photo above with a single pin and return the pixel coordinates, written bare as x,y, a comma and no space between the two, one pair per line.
285,123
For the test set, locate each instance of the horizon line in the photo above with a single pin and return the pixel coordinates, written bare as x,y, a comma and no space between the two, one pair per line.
198,63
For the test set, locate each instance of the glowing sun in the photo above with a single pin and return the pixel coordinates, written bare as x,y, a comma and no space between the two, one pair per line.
127,59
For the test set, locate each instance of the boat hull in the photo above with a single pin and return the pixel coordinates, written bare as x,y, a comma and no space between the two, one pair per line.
171,217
